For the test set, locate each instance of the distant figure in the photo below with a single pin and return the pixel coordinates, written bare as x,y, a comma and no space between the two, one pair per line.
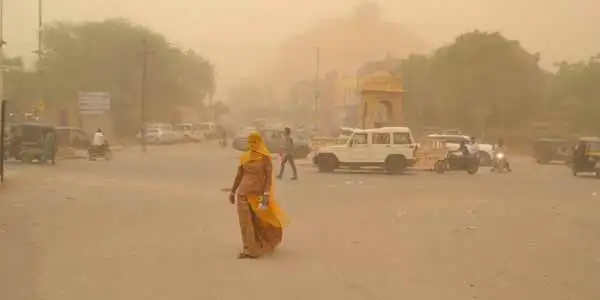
288,154
98,140
222,136
50,147
580,154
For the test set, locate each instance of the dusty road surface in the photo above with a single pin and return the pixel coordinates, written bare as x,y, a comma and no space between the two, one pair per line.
156,226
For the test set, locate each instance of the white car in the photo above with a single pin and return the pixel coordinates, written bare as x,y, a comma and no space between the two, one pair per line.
209,130
160,136
390,148
188,132
485,152
346,132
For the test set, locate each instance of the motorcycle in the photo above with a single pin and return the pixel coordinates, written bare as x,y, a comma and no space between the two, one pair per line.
460,162
500,163
95,152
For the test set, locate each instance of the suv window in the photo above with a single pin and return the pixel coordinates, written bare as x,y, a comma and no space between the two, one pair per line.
381,138
359,139
402,138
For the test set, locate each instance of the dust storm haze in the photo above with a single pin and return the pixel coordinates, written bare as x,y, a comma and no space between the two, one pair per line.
242,37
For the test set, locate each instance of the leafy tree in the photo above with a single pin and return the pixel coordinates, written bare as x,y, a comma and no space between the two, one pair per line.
414,71
107,56
480,81
485,80
575,93
18,85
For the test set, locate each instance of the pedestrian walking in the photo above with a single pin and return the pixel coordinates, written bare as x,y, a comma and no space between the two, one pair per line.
288,155
261,219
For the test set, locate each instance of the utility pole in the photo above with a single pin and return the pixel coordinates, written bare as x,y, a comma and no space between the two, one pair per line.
145,52
2,43
2,133
40,53
317,87
2,101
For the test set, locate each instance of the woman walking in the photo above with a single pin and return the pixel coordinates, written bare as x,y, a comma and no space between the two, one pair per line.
261,219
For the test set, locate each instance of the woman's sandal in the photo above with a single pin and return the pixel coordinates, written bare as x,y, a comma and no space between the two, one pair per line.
244,255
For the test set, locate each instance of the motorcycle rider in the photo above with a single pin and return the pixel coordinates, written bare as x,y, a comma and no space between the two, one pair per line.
461,160
463,149
500,148
99,143
579,154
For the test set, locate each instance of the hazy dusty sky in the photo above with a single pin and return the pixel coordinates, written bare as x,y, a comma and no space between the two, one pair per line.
239,35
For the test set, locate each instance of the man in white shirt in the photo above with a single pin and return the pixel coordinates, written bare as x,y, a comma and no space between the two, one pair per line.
98,140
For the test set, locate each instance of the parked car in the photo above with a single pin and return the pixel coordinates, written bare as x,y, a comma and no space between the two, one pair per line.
390,148
274,139
346,132
72,142
188,132
209,130
159,136
485,152
546,150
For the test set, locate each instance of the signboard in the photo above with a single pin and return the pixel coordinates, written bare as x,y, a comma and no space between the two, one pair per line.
41,106
93,102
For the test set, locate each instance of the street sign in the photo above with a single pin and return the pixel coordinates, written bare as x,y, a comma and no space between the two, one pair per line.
93,101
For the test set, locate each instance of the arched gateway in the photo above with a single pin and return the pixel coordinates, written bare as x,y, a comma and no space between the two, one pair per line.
381,100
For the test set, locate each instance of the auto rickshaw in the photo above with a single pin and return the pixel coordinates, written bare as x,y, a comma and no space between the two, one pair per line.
431,155
546,150
33,142
590,163
72,142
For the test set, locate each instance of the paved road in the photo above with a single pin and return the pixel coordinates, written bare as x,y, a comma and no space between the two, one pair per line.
156,226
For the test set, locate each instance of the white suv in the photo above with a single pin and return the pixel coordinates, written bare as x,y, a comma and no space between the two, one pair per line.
391,148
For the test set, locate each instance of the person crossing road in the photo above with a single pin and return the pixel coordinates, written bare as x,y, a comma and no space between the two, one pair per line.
288,155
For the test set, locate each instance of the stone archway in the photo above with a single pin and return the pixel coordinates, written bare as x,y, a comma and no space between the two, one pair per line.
381,95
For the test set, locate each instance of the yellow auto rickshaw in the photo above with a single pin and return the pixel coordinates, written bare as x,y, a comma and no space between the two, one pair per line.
431,155
590,162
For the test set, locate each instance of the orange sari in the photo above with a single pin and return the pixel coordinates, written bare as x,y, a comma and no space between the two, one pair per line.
261,227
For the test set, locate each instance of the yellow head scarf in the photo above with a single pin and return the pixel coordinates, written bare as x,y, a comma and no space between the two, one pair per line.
273,215
256,149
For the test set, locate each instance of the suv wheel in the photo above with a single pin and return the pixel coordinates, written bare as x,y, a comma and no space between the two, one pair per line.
395,164
327,163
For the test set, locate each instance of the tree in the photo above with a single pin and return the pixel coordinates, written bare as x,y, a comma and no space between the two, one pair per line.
18,85
482,80
106,56
575,93
414,71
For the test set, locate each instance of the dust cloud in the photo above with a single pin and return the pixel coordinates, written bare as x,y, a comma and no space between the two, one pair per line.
243,37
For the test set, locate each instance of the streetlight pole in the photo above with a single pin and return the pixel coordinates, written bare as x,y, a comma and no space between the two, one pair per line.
145,52
40,53
2,133
317,87
2,101
2,50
